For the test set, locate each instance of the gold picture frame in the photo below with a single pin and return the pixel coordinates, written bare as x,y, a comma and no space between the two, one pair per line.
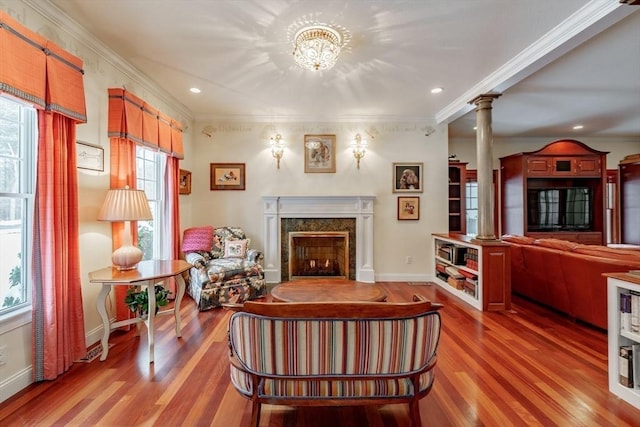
184,185
408,208
319,153
407,177
227,176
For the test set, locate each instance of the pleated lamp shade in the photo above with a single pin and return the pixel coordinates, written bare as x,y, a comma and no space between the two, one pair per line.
125,204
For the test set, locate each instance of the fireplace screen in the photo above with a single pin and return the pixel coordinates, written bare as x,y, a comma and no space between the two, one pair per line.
318,254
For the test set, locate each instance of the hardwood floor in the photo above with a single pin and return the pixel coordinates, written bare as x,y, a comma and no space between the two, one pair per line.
528,367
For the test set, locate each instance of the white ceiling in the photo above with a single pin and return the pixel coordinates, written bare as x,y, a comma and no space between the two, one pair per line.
556,63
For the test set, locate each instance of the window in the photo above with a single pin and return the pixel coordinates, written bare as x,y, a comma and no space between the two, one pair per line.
150,167
471,191
18,136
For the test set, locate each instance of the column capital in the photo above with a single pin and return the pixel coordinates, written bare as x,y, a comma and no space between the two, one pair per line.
485,97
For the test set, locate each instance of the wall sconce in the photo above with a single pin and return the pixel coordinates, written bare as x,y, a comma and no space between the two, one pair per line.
277,148
359,147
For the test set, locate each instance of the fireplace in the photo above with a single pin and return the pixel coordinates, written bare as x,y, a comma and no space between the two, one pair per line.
318,254
352,214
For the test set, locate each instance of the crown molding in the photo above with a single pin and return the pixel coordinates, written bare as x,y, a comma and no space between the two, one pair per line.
591,19
65,23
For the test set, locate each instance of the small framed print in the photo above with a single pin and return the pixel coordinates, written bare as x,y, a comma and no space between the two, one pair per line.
227,176
89,156
319,153
407,177
408,208
185,182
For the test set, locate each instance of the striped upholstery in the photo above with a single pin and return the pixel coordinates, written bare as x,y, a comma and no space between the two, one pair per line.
363,357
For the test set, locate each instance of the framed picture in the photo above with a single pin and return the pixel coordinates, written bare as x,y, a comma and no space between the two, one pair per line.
227,176
407,177
319,153
408,208
89,156
185,182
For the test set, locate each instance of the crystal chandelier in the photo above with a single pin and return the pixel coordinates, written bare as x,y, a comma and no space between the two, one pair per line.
317,47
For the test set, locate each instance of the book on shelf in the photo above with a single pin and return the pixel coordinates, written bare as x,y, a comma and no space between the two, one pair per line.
634,272
635,354
625,312
635,312
454,272
471,258
625,368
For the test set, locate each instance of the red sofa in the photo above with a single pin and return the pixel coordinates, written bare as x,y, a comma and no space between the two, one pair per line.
567,276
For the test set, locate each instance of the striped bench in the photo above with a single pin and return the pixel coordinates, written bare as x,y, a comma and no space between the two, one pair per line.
328,354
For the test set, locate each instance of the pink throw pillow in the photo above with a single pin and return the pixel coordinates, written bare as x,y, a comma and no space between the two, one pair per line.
197,239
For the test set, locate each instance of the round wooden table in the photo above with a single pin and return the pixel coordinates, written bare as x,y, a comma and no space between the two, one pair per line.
327,290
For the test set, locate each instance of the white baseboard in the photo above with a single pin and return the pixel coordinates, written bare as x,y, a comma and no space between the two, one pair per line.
399,277
15,383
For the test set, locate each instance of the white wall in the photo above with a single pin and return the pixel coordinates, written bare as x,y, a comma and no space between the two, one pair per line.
393,142
102,70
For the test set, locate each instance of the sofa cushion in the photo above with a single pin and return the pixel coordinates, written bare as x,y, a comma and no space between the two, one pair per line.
197,239
235,248
224,233
611,253
563,245
522,240
223,269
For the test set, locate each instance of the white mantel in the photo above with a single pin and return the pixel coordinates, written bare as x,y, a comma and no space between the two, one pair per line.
358,207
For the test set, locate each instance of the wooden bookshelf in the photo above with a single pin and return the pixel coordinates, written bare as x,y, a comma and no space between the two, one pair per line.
457,198
484,265
618,283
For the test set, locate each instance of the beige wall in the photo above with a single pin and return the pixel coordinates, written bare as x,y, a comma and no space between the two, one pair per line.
393,142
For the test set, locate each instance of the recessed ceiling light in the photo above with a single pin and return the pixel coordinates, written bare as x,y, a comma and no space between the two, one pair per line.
475,128
195,90
437,90
578,127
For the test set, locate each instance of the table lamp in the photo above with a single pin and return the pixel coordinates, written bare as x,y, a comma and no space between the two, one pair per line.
126,205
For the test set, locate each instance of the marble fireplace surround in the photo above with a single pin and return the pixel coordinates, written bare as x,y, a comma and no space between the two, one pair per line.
358,207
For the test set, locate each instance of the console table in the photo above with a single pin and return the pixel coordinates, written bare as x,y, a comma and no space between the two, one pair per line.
146,275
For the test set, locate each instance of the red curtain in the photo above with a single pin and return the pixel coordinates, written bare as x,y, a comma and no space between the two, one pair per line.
58,323
133,121
40,72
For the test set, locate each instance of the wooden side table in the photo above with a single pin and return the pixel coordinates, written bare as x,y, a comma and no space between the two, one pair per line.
146,275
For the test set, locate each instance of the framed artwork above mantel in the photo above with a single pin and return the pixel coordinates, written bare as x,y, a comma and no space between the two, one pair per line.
319,153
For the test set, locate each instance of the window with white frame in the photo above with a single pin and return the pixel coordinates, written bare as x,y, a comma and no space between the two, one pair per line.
18,136
471,207
150,167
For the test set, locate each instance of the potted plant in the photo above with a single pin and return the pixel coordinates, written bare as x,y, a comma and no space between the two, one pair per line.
138,300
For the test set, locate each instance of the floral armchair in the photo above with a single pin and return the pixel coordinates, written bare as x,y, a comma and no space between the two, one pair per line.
225,270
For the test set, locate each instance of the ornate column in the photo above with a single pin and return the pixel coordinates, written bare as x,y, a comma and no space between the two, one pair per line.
484,146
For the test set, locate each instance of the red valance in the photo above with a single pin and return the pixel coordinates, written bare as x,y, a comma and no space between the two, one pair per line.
39,71
132,118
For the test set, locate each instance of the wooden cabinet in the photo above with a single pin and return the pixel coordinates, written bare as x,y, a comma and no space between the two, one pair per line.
457,199
629,188
476,272
618,335
564,166
557,191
